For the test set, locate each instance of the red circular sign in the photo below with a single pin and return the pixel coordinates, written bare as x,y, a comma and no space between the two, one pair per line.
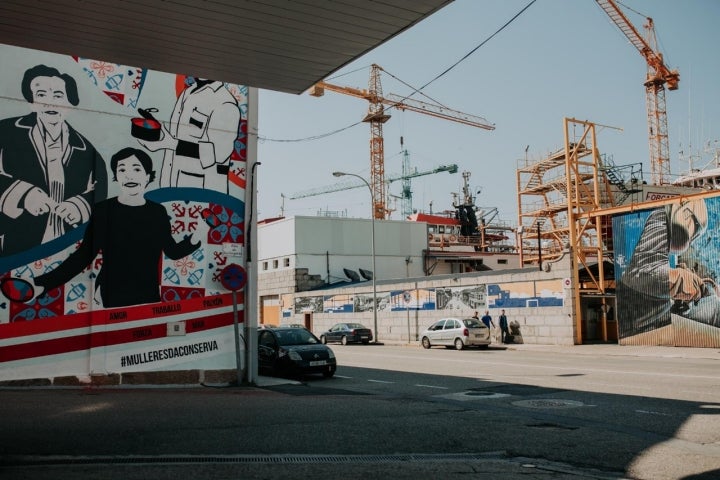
233,277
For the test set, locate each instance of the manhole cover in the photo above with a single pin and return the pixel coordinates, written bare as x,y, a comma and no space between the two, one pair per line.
548,403
473,395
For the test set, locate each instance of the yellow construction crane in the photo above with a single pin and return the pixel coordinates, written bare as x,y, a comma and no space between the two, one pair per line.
658,74
376,117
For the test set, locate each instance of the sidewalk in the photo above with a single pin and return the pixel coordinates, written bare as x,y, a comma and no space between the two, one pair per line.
622,350
598,349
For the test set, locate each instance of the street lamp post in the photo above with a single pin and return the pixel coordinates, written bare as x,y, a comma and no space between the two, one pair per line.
372,247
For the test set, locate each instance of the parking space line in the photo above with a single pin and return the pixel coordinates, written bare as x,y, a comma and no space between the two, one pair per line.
379,381
432,386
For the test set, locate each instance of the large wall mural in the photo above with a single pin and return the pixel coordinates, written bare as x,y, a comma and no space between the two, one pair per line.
461,298
119,187
666,263
534,294
547,293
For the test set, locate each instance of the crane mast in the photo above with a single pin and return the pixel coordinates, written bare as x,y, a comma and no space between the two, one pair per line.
377,116
658,74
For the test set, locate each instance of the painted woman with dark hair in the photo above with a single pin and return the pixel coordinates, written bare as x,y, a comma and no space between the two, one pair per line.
50,175
132,233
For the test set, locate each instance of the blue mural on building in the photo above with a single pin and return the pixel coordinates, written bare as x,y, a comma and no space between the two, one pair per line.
667,263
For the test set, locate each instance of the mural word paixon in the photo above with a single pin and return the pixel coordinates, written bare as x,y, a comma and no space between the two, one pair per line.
118,188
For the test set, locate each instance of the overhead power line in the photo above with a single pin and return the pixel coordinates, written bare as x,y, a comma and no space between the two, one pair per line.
418,90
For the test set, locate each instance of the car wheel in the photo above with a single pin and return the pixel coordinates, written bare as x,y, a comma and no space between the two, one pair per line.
426,342
323,339
343,340
459,345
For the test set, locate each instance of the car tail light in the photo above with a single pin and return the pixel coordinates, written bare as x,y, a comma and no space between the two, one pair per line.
466,333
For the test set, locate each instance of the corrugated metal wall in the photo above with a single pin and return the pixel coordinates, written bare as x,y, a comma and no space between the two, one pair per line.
652,310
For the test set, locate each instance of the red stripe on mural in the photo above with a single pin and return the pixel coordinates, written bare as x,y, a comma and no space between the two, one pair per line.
85,341
165,309
115,315
50,324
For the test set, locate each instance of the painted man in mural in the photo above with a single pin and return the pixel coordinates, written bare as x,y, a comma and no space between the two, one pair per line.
200,138
50,175
655,285
132,232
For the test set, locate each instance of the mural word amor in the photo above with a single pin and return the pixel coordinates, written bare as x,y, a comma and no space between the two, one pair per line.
118,188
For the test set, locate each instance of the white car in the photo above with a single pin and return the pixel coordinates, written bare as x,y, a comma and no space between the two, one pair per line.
460,333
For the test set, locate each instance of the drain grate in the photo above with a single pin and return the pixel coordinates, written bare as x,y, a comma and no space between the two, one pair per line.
30,461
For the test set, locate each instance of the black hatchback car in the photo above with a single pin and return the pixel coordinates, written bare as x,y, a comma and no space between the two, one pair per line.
294,351
347,333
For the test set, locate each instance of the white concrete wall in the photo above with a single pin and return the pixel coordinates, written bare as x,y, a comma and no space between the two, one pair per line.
539,325
326,243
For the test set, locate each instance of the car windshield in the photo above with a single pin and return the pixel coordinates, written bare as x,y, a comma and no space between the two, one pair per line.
295,336
473,323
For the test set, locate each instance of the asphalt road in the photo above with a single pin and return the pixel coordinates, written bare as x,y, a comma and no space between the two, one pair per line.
390,412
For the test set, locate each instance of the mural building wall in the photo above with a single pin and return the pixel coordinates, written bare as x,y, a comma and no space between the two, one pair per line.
666,263
539,310
118,188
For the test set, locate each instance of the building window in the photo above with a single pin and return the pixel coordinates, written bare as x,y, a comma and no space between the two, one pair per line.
502,261
265,265
287,262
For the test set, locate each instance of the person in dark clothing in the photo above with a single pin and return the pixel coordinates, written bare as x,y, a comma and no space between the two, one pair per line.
487,319
50,175
504,330
132,232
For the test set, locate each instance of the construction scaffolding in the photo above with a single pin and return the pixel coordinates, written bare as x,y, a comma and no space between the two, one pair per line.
555,196
553,190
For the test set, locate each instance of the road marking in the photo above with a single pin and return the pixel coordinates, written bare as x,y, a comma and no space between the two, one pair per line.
341,376
649,412
379,381
432,386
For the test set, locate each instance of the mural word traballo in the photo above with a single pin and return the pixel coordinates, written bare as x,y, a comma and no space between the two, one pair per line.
119,187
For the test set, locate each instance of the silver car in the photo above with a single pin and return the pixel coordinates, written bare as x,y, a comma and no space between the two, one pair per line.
456,332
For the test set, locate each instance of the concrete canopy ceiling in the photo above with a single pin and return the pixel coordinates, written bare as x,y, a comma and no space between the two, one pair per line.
282,45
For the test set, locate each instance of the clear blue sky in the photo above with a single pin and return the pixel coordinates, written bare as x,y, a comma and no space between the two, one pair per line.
561,58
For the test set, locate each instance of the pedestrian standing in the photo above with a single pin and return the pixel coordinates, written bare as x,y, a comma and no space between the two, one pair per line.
504,331
487,319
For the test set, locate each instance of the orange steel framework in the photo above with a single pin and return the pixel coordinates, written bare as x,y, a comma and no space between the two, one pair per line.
376,117
565,207
658,74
